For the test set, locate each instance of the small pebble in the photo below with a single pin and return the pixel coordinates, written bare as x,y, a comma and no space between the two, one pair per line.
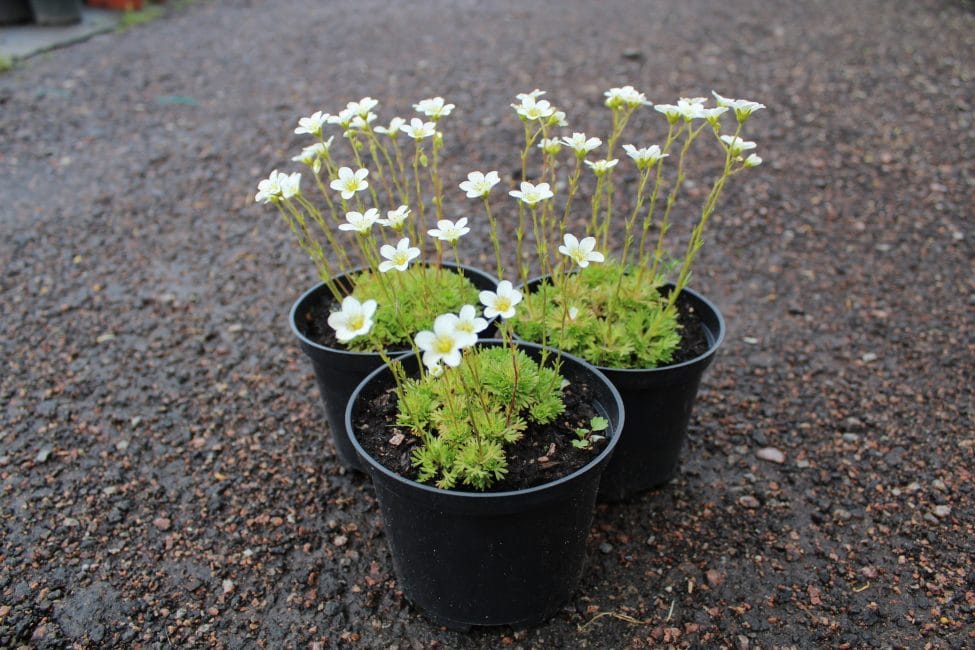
942,511
605,548
850,437
228,586
714,577
842,514
162,523
939,485
771,454
340,540
868,357
749,501
43,454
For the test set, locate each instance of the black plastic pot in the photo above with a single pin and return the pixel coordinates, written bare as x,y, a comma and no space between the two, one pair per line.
337,371
658,404
502,558
56,12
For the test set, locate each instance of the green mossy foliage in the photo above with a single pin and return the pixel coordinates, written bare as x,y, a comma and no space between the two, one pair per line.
643,333
408,302
463,417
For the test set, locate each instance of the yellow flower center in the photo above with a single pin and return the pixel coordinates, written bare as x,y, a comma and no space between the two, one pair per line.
443,344
356,322
502,304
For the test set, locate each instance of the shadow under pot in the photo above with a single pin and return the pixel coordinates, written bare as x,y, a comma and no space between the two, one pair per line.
339,371
490,558
658,404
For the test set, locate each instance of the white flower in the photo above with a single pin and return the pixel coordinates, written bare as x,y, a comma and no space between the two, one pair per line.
344,118
444,343
573,313
349,182
625,96
501,302
269,189
531,194
362,122
712,114
644,157
278,186
395,218
312,151
580,144
551,146
687,108
436,370
398,258
581,252
478,185
355,319
290,184
468,321
558,119
447,230
743,108
360,222
736,145
312,124
535,94
362,107
395,125
418,129
434,107
753,160
533,109
600,167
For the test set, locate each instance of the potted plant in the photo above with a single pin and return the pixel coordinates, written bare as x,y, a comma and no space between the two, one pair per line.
367,245
631,315
486,458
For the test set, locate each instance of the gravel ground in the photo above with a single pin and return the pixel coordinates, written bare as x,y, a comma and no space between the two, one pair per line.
166,478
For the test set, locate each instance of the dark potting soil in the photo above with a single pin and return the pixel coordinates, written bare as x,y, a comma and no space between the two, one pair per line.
693,340
544,453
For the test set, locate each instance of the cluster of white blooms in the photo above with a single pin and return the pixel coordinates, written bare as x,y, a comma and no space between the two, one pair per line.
277,186
451,333
625,96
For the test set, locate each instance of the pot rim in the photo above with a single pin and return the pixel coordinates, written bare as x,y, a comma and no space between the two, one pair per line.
701,358
601,457
353,354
